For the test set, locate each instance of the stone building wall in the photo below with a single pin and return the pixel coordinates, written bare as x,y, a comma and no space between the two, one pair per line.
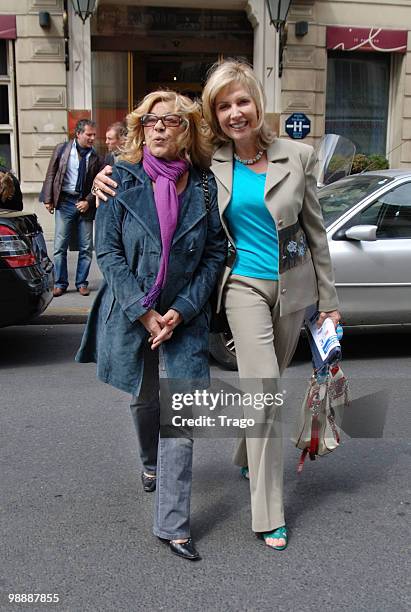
41,91
303,85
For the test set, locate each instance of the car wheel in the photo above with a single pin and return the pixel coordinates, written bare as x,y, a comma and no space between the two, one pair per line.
223,350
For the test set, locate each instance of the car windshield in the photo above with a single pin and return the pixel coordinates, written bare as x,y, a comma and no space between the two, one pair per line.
337,198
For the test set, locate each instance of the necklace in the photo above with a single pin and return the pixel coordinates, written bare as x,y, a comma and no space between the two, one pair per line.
249,162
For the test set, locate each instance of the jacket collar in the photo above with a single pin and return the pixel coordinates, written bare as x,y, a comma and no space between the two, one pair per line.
73,142
69,145
138,198
277,170
222,168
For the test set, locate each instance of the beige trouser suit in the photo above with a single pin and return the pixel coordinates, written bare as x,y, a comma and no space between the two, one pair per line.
266,316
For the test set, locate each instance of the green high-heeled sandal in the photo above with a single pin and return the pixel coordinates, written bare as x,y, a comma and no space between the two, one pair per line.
280,532
245,473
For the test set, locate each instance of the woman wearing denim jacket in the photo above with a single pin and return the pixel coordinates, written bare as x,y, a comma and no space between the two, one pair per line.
160,251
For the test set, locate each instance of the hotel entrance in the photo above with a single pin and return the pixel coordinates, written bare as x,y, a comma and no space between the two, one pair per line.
138,49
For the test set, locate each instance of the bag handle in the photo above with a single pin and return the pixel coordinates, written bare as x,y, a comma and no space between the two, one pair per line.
204,181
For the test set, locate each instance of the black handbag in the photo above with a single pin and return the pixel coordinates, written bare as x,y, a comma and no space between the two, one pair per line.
218,320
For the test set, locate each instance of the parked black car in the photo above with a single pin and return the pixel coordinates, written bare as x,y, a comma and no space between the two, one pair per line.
26,272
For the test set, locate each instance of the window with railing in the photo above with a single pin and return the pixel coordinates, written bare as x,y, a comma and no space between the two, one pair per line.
7,114
357,98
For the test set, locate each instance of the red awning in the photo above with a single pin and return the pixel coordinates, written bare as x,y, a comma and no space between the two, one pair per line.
8,26
366,39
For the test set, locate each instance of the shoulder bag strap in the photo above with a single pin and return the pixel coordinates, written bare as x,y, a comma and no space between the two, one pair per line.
204,181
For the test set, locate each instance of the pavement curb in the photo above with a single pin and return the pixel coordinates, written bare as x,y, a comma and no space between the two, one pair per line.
67,316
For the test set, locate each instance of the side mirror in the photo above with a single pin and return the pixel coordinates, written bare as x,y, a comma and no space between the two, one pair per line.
362,232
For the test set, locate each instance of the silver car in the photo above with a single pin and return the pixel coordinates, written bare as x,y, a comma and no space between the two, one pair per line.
368,221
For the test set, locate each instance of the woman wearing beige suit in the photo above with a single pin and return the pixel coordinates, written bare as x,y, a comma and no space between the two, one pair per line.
281,264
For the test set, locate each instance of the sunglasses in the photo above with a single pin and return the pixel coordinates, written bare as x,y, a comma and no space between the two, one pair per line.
168,120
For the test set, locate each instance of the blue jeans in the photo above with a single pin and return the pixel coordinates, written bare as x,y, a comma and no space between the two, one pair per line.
68,218
173,492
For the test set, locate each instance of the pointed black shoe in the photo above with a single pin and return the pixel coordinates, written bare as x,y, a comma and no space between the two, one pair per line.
149,483
185,550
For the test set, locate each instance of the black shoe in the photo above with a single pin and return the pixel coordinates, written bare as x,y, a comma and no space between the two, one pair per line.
149,482
185,550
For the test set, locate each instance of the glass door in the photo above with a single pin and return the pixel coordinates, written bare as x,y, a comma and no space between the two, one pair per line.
111,90
121,79
185,73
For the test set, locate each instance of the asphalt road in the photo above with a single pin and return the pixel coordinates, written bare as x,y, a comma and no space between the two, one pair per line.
75,521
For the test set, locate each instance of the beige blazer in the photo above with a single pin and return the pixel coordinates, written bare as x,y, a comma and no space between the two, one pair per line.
306,274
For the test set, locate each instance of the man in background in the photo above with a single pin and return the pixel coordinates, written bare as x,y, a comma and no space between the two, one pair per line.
115,138
66,190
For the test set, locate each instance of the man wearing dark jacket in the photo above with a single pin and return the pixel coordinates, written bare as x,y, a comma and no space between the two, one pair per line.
66,190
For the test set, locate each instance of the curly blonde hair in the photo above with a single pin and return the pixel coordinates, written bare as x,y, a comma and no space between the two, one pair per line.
6,186
191,143
223,74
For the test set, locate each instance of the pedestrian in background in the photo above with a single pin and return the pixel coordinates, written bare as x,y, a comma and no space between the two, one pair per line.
10,192
116,134
67,192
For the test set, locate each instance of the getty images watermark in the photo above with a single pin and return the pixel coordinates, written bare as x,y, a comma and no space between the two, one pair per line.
227,408
222,400
221,408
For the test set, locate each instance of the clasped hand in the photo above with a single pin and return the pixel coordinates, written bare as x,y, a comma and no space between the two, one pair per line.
160,327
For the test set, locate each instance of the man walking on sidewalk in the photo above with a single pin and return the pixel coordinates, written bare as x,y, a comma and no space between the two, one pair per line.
66,190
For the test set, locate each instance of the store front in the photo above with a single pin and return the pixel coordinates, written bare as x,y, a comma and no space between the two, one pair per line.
138,49
363,65
358,86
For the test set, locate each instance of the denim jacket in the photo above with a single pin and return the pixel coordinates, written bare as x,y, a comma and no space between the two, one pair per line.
128,249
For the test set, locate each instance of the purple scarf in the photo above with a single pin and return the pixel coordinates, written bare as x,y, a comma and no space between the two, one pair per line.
164,174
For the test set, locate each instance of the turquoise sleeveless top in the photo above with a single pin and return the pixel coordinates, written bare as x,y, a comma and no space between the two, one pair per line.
252,227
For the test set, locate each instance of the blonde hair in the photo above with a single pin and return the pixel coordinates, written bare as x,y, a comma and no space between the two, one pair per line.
6,186
223,74
191,142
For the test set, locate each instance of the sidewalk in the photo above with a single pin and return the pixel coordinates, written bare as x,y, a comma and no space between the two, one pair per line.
71,307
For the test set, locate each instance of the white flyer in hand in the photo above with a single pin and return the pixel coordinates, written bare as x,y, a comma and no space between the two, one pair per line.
325,337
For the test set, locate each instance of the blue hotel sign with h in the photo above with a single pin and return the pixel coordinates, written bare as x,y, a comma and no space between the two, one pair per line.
297,126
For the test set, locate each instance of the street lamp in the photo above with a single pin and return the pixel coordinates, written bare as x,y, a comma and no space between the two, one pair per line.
278,10
84,8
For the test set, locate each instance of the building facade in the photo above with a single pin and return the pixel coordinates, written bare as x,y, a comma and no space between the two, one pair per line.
344,64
